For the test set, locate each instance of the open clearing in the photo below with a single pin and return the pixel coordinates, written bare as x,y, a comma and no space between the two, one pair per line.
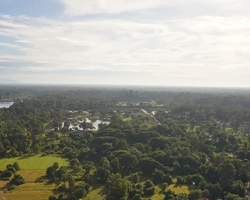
31,190
33,162
31,176
98,192
33,171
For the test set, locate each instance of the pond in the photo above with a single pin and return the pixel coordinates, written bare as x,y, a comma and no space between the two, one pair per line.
97,122
94,123
6,104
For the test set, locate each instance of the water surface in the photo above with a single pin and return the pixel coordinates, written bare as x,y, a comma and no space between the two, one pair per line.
6,104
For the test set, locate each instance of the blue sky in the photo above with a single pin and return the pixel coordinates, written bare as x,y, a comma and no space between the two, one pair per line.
139,42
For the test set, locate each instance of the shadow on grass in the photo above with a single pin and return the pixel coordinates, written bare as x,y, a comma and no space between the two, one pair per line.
41,179
5,186
26,156
48,182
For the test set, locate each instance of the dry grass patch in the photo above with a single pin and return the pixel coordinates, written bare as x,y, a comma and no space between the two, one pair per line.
179,189
32,175
159,194
31,191
98,192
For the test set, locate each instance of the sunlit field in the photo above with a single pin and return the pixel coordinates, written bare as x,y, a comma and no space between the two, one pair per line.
33,162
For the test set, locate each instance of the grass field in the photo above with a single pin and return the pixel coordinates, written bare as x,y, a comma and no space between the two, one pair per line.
33,171
31,176
33,162
31,190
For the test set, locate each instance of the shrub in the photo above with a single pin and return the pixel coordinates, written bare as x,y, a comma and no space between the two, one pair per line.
5,179
17,180
12,187
7,174
10,168
16,166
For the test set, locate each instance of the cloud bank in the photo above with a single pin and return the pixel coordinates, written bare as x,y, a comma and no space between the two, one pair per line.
84,7
198,50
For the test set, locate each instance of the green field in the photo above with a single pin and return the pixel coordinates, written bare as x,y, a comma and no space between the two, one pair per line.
33,162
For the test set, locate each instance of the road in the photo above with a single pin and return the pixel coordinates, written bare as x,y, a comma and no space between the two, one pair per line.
147,113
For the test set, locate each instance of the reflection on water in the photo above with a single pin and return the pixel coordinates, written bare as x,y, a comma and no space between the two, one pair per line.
6,104
94,123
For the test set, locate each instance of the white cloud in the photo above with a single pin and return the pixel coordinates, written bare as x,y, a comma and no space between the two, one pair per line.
83,7
199,50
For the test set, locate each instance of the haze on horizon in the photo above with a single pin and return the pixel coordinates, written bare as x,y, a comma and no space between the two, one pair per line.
125,42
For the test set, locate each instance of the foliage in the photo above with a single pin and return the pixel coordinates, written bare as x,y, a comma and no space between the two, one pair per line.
17,180
202,138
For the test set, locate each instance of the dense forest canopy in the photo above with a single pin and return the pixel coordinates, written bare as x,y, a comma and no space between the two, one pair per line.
144,139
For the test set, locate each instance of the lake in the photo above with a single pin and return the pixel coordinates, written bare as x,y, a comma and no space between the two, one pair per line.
6,104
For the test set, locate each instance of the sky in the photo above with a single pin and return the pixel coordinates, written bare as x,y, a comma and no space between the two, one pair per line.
126,42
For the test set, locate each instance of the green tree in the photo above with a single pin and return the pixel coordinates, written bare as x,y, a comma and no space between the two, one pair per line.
233,197
128,160
16,166
36,148
197,179
169,195
238,188
158,176
119,188
195,194
137,197
2,150
55,166
168,179
149,184
215,190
